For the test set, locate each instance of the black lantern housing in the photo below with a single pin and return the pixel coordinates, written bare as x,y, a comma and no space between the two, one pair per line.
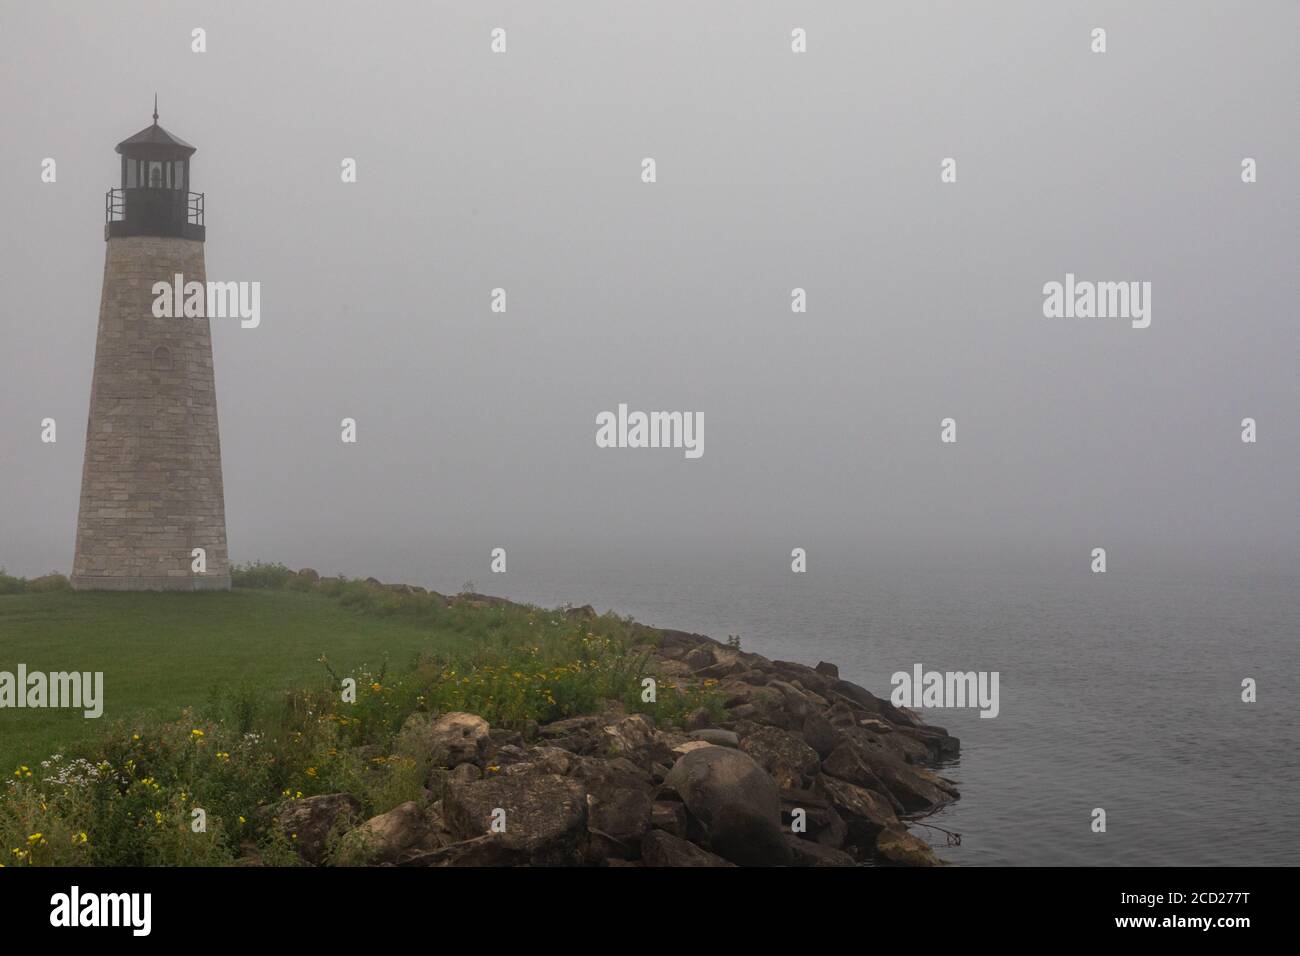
154,198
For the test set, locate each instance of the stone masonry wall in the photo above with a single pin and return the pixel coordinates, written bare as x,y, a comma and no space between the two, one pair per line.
151,487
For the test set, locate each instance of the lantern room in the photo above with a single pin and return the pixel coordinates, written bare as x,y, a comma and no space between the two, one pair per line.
154,198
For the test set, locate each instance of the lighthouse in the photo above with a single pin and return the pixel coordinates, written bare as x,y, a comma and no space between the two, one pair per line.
153,513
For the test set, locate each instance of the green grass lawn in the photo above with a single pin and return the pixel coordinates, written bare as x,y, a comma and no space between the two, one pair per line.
161,652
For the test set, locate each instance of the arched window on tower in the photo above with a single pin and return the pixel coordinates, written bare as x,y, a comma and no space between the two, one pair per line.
162,359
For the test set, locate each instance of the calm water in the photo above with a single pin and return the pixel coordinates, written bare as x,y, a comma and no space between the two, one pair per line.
1116,691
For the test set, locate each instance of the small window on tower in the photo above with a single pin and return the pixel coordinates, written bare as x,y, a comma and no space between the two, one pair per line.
162,359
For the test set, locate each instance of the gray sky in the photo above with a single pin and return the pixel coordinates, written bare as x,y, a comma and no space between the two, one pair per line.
775,170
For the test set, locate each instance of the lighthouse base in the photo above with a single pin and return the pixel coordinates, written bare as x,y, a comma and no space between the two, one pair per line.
208,582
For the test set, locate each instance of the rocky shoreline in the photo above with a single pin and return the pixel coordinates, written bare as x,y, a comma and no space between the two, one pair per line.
804,769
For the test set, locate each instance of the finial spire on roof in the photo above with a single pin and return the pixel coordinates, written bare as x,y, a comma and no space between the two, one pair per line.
155,108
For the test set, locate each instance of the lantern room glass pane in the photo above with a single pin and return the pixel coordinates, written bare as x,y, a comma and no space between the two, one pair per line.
178,174
155,175
132,173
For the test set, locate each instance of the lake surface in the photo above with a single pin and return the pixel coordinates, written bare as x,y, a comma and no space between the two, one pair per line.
1118,691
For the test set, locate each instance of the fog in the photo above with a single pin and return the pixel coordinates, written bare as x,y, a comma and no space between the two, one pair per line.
775,171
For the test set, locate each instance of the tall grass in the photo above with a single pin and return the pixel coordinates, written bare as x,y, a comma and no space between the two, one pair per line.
129,796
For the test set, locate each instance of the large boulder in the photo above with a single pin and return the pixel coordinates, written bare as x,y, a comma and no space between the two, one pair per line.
448,740
756,702
782,754
849,763
698,658
630,736
876,735
858,696
819,734
387,837
812,853
940,744
603,778
794,703
735,802
670,817
543,760
544,819
618,822
865,812
313,824
659,848
819,819
895,845
916,788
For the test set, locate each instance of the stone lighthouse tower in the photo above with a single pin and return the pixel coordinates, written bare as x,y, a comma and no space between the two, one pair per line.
151,491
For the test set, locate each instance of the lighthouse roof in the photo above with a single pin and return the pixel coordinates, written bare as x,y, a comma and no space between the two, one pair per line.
155,139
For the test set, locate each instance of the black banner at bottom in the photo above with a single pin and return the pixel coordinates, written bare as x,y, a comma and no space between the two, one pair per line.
338,905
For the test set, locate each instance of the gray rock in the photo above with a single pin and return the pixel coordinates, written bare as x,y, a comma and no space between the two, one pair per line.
785,756
619,821
819,734
669,816
448,740
896,845
568,727
631,735
735,802
466,773
765,705
543,760
385,838
663,849
823,824
700,657
698,719
312,824
865,812
716,736
545,816
849,762
811,853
